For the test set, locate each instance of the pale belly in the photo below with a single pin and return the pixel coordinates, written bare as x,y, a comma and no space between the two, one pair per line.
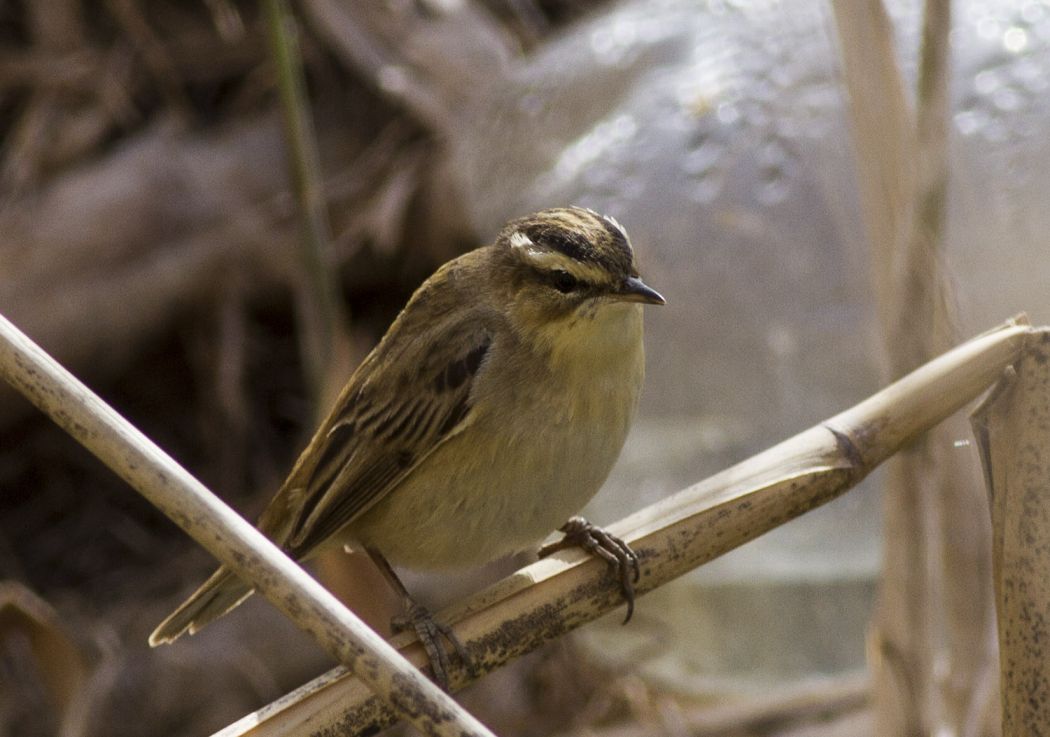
489,498
506,482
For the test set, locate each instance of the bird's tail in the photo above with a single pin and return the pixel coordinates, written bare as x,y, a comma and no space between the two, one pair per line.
216,596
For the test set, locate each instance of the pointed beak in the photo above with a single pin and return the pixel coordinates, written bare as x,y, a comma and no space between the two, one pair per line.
635,290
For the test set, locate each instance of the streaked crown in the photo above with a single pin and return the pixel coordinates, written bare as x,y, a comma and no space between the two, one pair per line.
579,253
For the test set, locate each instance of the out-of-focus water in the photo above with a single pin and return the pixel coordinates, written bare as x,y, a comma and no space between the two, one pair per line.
717,133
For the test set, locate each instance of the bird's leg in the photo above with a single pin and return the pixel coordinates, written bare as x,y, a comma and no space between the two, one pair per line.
427,629
579,533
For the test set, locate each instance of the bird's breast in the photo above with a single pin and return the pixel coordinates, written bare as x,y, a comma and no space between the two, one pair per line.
544,435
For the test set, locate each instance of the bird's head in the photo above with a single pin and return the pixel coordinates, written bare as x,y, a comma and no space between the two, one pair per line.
569,264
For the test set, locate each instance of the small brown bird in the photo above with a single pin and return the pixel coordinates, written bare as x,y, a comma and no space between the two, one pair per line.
491,411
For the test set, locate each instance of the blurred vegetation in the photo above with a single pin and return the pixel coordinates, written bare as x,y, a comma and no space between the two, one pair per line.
148,239
137,141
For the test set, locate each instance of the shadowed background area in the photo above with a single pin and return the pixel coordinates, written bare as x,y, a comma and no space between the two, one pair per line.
149,239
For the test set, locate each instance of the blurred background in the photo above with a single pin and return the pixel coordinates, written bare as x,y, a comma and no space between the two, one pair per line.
152,239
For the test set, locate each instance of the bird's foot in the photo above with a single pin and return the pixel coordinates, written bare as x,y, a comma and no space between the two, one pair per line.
430,631
618,554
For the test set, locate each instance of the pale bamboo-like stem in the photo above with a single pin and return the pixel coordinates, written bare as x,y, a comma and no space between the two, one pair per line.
1013,431
934,596
883,133
958,534
228,537
673,536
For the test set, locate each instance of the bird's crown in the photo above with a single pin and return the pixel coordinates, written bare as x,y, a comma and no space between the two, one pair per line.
592,248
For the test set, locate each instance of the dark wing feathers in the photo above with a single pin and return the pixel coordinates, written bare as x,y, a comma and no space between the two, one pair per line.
345,506
366,447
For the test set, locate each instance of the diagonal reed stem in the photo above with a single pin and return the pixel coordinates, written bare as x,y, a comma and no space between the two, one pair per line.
672,537
227,536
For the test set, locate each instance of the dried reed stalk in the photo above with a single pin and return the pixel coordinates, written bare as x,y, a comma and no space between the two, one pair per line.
228,537
935,601
1013,431
555,595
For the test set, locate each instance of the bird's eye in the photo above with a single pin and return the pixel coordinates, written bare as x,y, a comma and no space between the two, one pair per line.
563,281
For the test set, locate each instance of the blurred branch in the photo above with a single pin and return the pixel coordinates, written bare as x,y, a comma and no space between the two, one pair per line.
155,55
60,663
883,129
922,323
159,222
228,537
433,58
194,58
56,28
959,534
323,319
673,536
1013,432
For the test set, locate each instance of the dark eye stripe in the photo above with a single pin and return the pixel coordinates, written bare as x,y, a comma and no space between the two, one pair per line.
563,281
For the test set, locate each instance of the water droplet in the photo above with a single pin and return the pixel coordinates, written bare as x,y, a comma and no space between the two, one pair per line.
727,113
612,45
1015,40
594,145
968,122
986,82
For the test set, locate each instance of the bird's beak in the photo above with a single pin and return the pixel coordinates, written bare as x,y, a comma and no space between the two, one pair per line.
635,290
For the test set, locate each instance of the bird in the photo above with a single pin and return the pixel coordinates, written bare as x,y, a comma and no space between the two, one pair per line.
487,416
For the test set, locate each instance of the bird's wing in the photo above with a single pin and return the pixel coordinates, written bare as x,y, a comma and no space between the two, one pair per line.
404,401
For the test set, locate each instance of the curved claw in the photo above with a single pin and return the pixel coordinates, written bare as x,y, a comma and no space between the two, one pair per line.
427,629
430,631
618,554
